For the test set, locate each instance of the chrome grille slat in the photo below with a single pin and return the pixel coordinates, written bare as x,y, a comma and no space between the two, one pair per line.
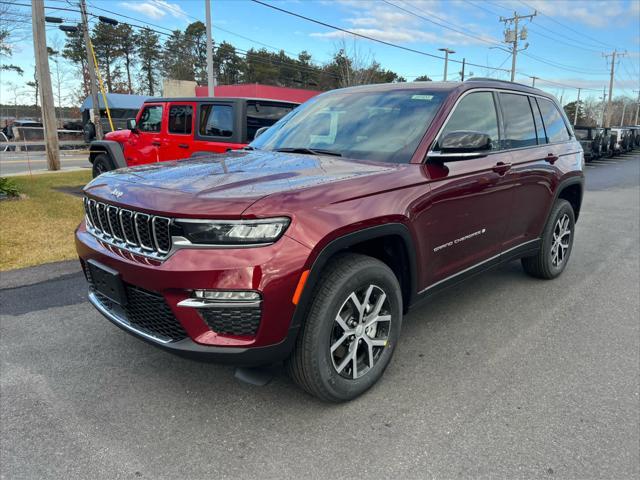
138,232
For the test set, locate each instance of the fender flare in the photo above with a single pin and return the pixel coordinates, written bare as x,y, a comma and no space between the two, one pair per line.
348,240
113,149
573,180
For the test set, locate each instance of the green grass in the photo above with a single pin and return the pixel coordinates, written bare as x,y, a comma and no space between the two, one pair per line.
39,229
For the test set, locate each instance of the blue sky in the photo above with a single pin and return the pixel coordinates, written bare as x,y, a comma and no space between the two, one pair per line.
566,38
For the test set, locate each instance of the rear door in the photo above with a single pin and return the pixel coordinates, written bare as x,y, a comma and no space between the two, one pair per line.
178,142
218,127
144,145
539,143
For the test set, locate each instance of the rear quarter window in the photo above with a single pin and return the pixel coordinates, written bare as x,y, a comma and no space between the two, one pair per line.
264,115
216,120
553,122
520,129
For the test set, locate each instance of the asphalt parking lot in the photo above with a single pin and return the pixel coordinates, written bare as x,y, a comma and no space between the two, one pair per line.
502,377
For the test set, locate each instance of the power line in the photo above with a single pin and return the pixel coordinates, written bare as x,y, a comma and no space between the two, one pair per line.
563,66
356,34
448,27
569,28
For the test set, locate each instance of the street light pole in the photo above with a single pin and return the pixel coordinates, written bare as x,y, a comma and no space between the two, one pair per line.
446,61
211,79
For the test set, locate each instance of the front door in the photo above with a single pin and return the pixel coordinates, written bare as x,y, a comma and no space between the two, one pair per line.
145,142
180,125
470,200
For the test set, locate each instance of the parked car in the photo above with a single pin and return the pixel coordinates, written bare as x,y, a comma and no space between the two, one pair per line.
636,135
310,244
617,142
590,140
168,129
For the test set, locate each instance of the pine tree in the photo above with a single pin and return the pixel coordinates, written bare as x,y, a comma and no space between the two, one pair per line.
149,54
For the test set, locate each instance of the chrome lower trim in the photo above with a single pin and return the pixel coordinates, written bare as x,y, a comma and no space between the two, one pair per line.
461,272
202,303
121,321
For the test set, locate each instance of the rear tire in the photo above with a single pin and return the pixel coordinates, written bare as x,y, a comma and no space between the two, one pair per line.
351,330
557,242
101,164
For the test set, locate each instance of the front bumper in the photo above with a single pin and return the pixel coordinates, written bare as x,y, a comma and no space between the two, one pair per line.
272,270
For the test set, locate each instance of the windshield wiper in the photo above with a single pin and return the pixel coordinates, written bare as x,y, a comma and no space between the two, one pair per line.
308,151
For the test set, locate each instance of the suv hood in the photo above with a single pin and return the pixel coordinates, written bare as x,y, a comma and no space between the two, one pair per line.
222,185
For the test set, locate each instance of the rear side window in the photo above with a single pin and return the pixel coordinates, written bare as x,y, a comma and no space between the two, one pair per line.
553,121
542,138
475,112
263,115
151,119
520,131
216,120
180,119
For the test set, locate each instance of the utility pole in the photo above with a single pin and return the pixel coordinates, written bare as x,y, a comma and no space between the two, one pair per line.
44,79
637,106
512,37
575,114
613,56
211,78
533,81
462,71
92,72
624,108
604,99
446,61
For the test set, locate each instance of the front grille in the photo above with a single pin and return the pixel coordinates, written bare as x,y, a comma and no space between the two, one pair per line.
139,232
145,311
233,321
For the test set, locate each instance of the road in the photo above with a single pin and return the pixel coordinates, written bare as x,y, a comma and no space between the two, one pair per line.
22,163
502,377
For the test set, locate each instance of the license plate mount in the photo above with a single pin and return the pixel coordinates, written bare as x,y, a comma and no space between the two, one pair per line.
107,282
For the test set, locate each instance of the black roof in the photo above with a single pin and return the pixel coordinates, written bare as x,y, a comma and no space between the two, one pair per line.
209,99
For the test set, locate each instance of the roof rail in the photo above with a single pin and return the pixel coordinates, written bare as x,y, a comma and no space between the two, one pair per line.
489,79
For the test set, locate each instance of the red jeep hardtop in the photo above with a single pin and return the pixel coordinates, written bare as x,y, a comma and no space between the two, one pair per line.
176,128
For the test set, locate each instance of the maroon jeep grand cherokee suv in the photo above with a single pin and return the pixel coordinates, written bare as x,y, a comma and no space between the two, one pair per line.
310,244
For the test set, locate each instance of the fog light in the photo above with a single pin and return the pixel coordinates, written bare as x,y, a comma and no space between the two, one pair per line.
227,295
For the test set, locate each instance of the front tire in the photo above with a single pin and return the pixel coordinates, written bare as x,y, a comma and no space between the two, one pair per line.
351,330
101,164
557,242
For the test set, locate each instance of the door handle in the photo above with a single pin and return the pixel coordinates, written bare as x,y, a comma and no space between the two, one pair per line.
551,158
156,144
501,168
183,145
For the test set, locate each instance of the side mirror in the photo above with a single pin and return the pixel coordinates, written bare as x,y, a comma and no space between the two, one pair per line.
260,131
131,124
462,145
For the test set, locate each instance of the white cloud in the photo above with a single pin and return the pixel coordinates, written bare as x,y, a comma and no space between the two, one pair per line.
384,22
155,9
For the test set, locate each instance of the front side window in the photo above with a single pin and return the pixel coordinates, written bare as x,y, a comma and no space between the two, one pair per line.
368,124
520,131
180,119
553,122
264,115
151,119
216,120
476,112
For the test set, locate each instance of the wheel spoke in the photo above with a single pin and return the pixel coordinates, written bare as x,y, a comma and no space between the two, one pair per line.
354,368
367,298
370,352
339,342
343,325
380,318
356,303
379,304
378,342
345,362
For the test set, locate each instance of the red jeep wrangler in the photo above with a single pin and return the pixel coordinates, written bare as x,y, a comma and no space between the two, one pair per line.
167,129
310,244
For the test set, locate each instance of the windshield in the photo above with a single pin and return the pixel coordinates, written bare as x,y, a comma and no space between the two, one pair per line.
382,126
582,134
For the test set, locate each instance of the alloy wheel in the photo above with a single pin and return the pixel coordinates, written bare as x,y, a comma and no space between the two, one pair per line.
561,240
360,332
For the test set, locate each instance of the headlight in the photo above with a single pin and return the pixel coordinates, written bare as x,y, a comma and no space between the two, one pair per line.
232,232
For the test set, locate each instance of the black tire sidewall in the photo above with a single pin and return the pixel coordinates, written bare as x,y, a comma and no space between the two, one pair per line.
338,386
563,207
101,159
